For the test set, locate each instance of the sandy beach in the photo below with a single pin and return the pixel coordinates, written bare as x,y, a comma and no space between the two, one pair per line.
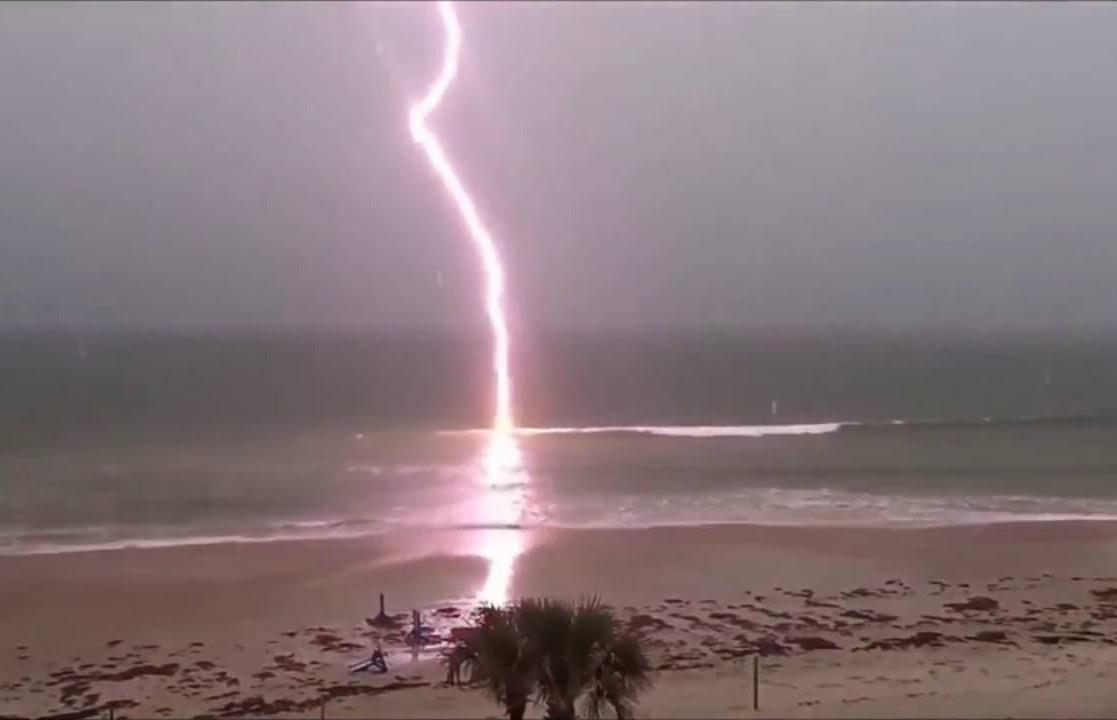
659,359
982,621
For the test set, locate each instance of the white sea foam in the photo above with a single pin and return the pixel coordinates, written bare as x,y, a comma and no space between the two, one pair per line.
311,531
812,507
572,485
687,431
747,506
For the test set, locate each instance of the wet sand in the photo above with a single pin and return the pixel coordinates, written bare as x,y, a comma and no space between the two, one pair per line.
981,621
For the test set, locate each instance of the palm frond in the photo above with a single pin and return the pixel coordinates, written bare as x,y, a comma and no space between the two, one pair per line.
558,652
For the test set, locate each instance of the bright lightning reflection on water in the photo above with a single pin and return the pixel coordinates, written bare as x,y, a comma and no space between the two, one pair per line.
501,500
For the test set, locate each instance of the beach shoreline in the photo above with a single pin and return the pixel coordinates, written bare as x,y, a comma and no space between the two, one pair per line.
235,608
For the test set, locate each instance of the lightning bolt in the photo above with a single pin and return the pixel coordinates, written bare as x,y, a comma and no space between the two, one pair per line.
503,471
490,258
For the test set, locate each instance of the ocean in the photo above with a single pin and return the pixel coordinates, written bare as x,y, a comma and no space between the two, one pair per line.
113,439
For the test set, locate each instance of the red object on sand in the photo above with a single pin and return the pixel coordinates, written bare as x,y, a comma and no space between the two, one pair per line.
462,633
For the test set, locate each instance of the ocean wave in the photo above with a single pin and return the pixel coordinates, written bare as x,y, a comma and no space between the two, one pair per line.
777,507
692,431
397,470
153,542
816,428
1099,419
57,548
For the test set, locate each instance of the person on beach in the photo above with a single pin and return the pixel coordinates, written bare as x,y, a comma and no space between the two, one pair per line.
453,669
417,635
378,662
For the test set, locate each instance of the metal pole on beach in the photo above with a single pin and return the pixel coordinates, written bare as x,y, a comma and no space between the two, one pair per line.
755,682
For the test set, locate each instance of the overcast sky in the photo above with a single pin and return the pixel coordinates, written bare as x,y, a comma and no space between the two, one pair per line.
819,165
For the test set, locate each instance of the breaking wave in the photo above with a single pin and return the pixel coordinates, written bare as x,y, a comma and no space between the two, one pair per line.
817,428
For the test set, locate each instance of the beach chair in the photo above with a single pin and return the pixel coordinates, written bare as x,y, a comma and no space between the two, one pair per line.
375,663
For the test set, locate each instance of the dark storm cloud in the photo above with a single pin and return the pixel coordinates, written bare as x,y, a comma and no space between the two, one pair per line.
860,165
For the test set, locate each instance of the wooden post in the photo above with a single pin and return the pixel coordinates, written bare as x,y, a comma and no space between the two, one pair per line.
111,713
322,707
755,682
381,603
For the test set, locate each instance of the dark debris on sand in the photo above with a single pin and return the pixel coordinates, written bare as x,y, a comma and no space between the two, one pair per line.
257,705
680,634
975,604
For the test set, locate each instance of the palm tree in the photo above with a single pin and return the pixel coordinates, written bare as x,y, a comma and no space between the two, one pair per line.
494,653
559,653
622,673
